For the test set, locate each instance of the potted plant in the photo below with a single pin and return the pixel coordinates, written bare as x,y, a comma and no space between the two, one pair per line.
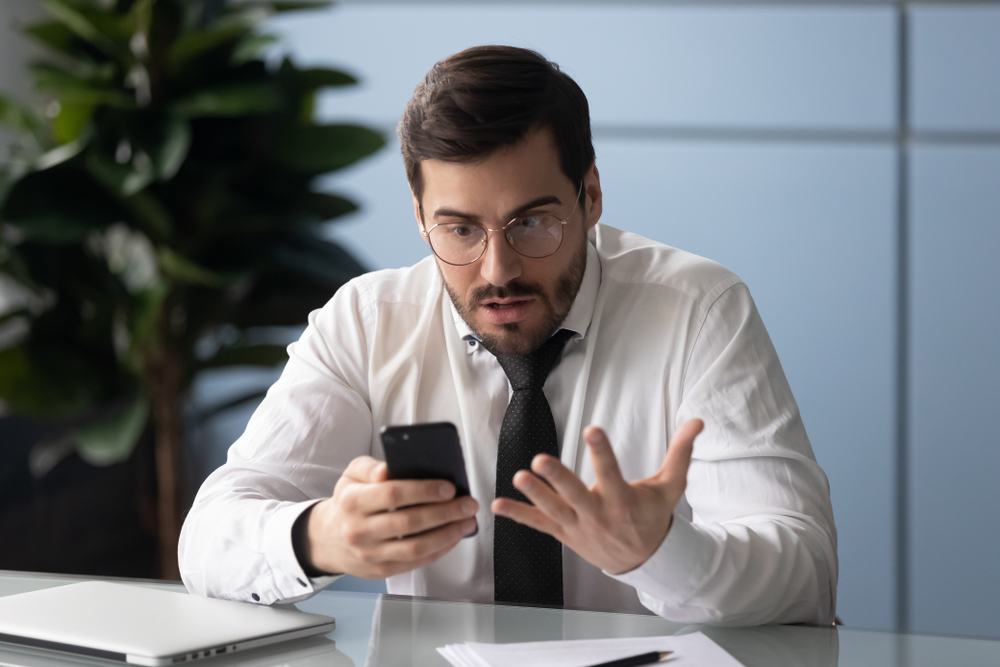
156,215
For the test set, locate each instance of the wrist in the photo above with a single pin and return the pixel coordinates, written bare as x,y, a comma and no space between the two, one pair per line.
634,565
302,545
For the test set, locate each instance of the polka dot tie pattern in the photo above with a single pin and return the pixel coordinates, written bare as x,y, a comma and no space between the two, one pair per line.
527,564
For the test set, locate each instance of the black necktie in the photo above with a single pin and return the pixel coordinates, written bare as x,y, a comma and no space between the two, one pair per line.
527,564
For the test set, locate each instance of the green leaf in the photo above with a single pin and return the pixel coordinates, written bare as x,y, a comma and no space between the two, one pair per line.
60,206
185,270
321,260
72,120
14,314
93,72
323,78
231,28
61,154
15,376
47,383
235,100
13,264
112,440
249,355
147,309
70,87
54,35
326,206
124,179
317,149
250,48
20,118
279,6
170,155
83,25
150,215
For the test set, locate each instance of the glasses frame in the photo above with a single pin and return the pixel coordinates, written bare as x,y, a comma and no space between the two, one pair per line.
486,240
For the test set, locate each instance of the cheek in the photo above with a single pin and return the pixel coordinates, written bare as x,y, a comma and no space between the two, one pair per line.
559,263
461,279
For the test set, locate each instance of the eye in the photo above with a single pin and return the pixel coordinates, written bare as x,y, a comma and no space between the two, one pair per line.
460,231
529,222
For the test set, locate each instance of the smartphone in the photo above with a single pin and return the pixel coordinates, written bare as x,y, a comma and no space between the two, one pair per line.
426,451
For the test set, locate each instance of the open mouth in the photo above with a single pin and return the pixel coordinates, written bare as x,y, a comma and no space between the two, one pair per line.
504,304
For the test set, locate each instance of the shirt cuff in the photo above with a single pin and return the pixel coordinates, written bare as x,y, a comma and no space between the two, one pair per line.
290,581
677,568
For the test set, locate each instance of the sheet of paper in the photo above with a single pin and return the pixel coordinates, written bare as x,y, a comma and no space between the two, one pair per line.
693,650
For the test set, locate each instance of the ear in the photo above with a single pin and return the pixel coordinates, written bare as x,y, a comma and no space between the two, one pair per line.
594,200
416,214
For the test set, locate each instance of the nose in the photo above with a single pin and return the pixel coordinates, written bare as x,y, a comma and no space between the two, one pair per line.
500,263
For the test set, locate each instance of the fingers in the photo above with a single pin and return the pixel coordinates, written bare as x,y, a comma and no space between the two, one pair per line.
417,548
550,501
562,480
397,494
609,475
530,516
390,568
420,519
678,459
366,469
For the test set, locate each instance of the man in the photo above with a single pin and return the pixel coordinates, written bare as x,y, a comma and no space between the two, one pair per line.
633,349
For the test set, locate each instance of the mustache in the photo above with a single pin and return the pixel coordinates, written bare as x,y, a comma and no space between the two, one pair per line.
511,289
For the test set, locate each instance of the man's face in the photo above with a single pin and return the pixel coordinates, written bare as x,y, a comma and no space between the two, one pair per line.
512,302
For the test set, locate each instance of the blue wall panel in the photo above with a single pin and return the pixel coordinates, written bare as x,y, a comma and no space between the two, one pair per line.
955,82
763,66
955,373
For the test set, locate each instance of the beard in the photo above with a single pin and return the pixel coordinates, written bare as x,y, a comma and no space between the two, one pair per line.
515,338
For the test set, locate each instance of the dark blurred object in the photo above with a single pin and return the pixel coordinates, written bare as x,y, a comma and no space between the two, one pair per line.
77,518
156,219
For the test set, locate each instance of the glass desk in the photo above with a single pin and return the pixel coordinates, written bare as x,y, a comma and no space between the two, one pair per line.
388,630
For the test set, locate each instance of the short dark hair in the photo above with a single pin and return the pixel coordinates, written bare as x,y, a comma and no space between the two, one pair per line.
489,97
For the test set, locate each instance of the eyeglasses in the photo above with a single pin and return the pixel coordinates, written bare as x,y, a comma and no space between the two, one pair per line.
535,236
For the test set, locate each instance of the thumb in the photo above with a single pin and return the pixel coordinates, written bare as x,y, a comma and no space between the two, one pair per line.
678,458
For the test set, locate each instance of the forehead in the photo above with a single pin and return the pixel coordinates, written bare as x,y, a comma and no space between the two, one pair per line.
501,181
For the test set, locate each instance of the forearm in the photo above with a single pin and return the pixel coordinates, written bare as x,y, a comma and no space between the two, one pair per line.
754,571
237,540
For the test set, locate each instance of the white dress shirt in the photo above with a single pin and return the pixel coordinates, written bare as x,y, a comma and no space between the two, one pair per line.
662,336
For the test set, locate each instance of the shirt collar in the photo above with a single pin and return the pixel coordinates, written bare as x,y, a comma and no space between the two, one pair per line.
580,314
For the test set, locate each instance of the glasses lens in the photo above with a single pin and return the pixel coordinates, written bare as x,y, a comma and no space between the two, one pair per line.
457,242
535,235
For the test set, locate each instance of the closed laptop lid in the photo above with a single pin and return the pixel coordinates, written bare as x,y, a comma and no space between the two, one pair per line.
317,651
144,625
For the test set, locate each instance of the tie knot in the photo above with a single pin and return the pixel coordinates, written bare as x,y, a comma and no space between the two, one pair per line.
529,371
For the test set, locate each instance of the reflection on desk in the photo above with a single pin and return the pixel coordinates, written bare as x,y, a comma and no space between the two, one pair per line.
396,631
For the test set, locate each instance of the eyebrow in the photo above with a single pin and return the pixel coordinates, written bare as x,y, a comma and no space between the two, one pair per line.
520,210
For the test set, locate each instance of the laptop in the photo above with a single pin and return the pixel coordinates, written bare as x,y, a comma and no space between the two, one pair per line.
146,626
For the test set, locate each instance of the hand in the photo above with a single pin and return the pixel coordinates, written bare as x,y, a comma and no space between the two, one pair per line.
614,525
374,528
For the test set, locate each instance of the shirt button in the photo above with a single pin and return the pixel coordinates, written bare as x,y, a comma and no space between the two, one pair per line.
256,598
301,582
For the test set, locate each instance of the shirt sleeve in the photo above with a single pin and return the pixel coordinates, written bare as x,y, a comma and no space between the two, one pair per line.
761,545
236,542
